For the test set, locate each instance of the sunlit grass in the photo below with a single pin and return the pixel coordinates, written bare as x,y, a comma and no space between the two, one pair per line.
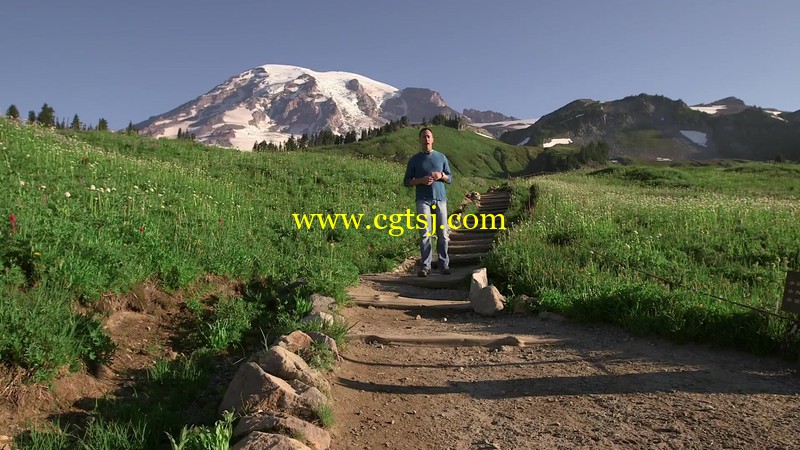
595,241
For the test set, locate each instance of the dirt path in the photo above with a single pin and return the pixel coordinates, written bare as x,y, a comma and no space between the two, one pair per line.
570,386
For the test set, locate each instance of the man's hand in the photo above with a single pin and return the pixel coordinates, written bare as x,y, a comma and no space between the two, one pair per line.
428,180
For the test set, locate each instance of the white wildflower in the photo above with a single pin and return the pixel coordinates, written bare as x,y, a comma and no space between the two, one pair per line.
108,190
67,194
21,183
92,188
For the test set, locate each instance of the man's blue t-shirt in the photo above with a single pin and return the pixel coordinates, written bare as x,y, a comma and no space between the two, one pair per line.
423,164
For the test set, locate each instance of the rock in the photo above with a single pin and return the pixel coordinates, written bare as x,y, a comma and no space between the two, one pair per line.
319,316
547,315
261,441
327,341
295,341
312,435
287,365
311,398
479,281
321,303
253,389
488,301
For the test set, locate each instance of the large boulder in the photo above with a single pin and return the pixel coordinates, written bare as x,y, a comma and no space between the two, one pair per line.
488,301
287,365
261,441
252,390
295,341
312,435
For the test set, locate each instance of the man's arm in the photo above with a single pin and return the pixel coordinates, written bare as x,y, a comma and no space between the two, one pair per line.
447,177
408,179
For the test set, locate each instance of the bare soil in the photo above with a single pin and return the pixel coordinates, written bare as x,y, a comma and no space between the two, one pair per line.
146,325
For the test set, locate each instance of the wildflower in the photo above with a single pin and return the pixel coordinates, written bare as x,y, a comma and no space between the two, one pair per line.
220,221
108,190
13,219
37,254
67,194
136,187
92,188
141,230
21,183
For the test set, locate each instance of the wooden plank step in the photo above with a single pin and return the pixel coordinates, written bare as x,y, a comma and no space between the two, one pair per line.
391,302
455,340
435,281
467,258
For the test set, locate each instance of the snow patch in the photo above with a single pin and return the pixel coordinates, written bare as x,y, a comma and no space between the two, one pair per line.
557,141
525,141
515,124
698,137
484,135
709,109
775,114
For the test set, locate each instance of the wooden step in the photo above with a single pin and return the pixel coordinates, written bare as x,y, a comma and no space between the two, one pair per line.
455,340
467,258
468,247
399,302
458,278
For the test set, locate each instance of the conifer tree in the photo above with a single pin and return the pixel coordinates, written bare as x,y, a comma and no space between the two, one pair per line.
31,117
46,116
12,112
131,129
180,132
102,125
76,123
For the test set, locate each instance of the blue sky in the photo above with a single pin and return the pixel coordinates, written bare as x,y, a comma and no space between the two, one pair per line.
132,60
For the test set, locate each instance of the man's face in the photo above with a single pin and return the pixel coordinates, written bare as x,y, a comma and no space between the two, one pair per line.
426,140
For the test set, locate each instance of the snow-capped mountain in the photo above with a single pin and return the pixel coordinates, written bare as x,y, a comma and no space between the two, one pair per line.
273,102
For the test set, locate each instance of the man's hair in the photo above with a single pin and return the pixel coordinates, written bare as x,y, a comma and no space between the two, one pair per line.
424,129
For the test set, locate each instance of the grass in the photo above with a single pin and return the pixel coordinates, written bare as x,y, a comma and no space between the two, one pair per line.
596,236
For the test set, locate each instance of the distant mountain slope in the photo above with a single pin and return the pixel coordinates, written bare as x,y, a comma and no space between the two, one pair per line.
486,116
274,102
656,127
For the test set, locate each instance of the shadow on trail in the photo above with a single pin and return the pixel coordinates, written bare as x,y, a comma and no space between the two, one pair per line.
640,383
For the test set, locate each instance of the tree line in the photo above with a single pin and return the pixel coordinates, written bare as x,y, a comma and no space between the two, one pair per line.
47,118
328,137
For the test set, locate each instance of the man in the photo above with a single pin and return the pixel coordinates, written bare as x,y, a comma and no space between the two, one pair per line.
429,170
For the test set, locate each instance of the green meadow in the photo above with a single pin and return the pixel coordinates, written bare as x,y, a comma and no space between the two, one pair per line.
654,248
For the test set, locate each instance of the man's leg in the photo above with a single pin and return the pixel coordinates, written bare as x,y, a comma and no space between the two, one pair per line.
424,208
442,235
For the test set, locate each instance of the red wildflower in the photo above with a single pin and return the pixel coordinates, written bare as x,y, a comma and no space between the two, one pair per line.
141,230
13,219
220,221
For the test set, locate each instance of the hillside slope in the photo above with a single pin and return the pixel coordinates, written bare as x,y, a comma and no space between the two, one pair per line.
470,154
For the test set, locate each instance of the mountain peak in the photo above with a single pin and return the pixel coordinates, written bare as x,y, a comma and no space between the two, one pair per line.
273,102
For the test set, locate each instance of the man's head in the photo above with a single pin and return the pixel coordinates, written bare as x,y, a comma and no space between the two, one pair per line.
426,139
